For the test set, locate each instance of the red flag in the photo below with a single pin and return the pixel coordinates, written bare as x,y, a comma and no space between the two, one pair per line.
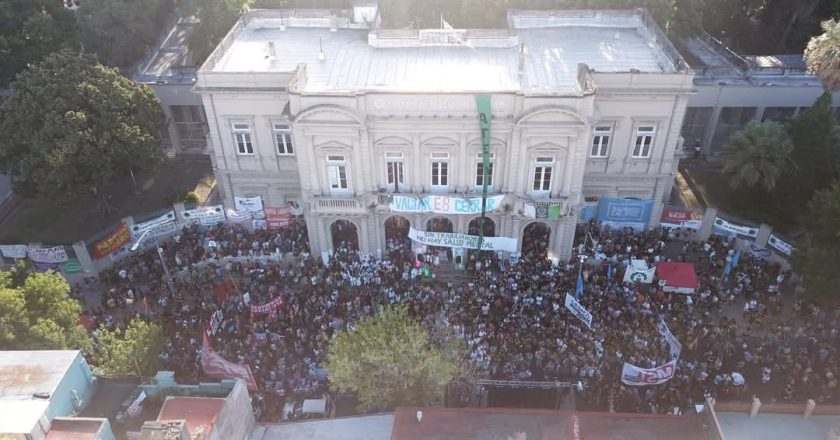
217,367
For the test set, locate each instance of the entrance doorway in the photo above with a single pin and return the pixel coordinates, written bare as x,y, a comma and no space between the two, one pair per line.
475,228
344,235
535,240
396,236
439,224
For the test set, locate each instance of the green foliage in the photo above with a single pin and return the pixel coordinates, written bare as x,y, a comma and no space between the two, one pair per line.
388,361
822,55
72,125
757,156
30,30
38,315
816,255
185,196
121,31
816,149
216,17
132,351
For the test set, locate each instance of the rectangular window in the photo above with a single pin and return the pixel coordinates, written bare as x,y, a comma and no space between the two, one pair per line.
601,141
479,170
337,173
440,170
242,137
644,141
283,139
542,174
394,171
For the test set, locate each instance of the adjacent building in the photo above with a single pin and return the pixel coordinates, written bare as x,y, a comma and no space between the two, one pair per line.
331,112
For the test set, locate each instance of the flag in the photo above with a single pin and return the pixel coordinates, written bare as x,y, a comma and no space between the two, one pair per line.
609,272
731,264
579,289
444,24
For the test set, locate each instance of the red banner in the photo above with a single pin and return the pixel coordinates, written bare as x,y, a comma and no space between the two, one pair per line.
217,367
675,216
278,218
113,241
269,307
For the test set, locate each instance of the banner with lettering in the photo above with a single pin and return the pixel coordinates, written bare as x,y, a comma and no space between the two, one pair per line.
678,218
723,227
267,308
443,204
453,240
13,250
206,215
624,212
48,255
635,376
780,245
238,216
578,310
673,343
158,226
250,204
217,367
278,218
113,242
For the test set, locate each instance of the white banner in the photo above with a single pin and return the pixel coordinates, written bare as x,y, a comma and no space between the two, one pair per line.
638,272
780,245
48,255
206,216
688,224
134,409
250,204
443,204
13,250
635,376
673,343
452,240
724,227
238,216
216,321
578,310
158,226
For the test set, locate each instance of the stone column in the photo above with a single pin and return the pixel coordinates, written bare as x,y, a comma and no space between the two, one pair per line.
82,254
763,235
706,227
172,129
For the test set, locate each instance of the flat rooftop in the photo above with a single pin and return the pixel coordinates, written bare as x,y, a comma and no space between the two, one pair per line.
550,44
172,61
74,429
25,374
768,426
198,412
376,427
20,416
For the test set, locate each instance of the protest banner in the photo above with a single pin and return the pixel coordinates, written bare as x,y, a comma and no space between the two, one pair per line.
673,343
638,272
216,320
619,212
443,204
578,310
780,245
51,255
112,242
278,218
238,216
206,215
726,228
268,308
15,251
217,367
635,376
454,240
249,204
157,227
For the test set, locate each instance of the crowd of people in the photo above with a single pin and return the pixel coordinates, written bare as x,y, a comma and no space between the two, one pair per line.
737,338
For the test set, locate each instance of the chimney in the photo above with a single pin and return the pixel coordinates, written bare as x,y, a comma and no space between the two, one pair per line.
272,53
521,58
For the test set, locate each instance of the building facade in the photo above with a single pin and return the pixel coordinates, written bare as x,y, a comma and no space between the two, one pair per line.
332,113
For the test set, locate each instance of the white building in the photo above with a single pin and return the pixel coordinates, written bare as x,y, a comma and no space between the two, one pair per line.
330,112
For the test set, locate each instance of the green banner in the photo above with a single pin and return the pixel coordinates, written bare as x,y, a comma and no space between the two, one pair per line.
485,117
71,266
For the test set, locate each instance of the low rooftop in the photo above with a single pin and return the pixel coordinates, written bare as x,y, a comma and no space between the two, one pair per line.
376,427
539,53
171,62
33,375
198,412
74,429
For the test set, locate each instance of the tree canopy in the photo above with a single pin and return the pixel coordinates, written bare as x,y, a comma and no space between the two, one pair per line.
816,255
132,351
216,17
822,55
757,156
36,313
72,125
388,361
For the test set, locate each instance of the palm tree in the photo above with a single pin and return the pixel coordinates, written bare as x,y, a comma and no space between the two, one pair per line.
756,156
822,56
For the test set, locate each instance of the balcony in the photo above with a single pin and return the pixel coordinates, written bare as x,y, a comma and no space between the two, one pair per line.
339,205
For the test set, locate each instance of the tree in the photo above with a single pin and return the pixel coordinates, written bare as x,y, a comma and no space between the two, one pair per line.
38,315
72,125
132,351
757,156
816,255
822,55
215,17
31,29
121,31
816,150
388,361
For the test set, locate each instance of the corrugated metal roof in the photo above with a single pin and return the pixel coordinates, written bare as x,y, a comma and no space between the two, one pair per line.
465,61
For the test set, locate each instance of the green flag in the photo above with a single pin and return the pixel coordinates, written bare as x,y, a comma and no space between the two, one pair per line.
485,116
